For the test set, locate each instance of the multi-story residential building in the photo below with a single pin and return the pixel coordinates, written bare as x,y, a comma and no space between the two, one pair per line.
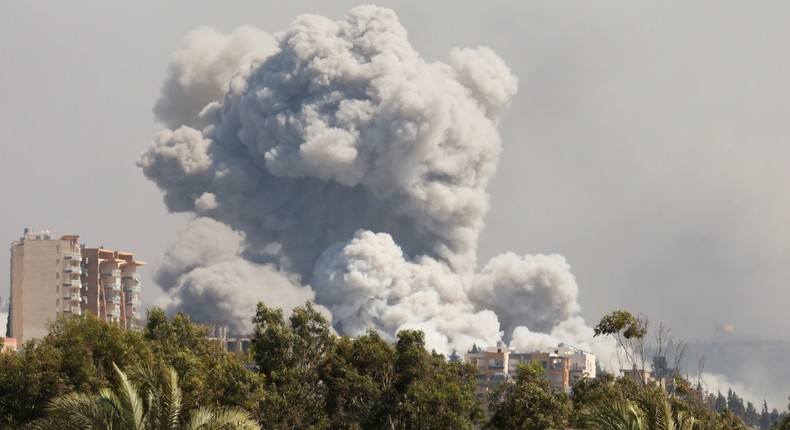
491,360
557,369
53,277
563,366
111,285
582,364
45,283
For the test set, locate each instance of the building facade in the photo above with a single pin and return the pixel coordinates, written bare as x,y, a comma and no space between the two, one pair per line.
45,283
111,285
53,277
563,366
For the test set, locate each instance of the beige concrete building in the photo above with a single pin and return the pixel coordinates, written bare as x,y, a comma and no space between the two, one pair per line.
111,285
45,283
563,366
582,364
54,277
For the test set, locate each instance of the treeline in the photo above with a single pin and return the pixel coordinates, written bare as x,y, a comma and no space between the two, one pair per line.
299,375
764,419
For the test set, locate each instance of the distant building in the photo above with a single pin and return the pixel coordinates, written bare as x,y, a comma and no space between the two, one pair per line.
54,277
111,285
582,364
724,331
7,344
563,366
45,283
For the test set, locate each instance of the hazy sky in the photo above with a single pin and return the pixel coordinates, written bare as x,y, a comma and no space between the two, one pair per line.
647,143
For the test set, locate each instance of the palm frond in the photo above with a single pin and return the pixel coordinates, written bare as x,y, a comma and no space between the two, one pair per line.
221,419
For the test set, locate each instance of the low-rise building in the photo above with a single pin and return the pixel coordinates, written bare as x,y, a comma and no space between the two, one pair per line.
563,366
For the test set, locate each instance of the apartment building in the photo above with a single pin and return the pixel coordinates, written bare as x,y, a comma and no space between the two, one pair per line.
582,364
45,283
53,277
111,285
563,366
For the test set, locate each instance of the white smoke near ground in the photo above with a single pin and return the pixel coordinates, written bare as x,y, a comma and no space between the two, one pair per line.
207,277
716,383
341,165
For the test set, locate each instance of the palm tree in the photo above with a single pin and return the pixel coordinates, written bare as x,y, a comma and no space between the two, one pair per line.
648,411
145,400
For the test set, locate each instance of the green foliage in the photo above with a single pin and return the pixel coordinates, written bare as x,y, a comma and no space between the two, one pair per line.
289,356
529,403
430,392
359,376
146,400
650,409
209,376
76,355
783,423
308,378
316,380
589,393
616,403
623,323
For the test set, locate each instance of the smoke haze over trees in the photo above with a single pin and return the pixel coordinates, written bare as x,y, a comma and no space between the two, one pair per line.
298,374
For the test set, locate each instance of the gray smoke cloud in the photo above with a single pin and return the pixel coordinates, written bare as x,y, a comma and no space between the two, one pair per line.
339,165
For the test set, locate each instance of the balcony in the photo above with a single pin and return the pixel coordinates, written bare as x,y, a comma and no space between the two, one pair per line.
73,256
72,297
112,285
114,299
72,269
131,288
132,301
72,283
132,277
111,273
73,310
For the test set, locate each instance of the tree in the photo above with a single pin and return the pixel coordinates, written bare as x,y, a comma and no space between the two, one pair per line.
76,355
145,400
359,375
629,332
649,410
289,356
529,403
428,392
784,422
208,375
588,393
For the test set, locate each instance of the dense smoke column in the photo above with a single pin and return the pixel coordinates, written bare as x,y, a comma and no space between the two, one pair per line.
339,164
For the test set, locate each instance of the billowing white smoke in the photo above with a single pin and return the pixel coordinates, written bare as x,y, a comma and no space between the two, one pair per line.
203,66
716,383
208,278
355,171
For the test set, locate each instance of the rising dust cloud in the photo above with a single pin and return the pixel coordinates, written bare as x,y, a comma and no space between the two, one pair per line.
335,164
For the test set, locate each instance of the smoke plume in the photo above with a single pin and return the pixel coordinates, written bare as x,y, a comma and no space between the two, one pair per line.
337,164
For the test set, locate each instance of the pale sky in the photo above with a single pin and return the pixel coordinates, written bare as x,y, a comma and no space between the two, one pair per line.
648,144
